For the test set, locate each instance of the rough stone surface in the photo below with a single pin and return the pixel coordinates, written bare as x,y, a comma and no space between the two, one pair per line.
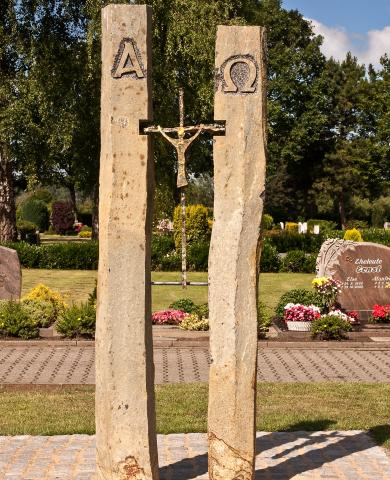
337,455
125,414
239,173
10,274
363,268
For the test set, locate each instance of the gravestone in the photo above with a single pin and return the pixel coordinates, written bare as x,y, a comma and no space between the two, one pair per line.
363,269
239,175
10,274
126,442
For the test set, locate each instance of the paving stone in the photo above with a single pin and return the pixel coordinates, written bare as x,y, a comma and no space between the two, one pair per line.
340,455
75,365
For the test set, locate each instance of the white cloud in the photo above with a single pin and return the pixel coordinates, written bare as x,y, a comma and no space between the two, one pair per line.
338,41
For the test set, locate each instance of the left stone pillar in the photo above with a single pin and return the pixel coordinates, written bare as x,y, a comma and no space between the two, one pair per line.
125,408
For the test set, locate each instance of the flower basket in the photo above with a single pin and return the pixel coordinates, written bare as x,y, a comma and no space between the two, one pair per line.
298,326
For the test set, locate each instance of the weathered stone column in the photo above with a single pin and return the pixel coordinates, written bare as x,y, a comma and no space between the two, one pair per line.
125,409
239,174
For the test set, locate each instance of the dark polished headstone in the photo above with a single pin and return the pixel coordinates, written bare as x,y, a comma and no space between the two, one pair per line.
363,269
10,274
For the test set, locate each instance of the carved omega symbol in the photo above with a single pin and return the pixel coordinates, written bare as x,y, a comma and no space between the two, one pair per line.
128,60
238,74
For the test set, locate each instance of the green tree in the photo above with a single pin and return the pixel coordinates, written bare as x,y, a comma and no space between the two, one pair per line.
8,73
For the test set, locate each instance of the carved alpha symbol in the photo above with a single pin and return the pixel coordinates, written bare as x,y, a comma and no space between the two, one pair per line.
128,61
238,74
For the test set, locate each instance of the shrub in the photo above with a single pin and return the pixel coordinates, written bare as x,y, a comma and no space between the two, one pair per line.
27,231
286,241
267,222
171,262
330,327
298,295
78,320
269,261
380,314
82,256
46,294
325,225
40,312
380,211
377,235
193,322
62,217
35,211
168,317
360,224
85,233
294,261
197,226
353,235
327,289
202,310
263,319
198,256
184,304
92,297
310,264
14,321
43,195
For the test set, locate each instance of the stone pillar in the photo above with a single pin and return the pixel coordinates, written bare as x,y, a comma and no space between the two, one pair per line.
125,406
239,175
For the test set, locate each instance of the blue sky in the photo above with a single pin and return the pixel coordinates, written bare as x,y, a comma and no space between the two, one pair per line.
358,25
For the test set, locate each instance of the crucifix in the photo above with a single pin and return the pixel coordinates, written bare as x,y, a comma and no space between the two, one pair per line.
185,137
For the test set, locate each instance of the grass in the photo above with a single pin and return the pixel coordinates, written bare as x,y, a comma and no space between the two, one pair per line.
77,284
183,408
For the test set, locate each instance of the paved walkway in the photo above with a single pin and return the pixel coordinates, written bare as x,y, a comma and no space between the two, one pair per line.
284,455
75,365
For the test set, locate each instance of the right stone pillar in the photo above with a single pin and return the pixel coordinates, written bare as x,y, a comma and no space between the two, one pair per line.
239,178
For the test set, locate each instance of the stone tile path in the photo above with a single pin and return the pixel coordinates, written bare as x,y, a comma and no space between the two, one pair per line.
341,455
76,365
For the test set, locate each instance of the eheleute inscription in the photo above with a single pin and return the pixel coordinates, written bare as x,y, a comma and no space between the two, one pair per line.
238,74
128,60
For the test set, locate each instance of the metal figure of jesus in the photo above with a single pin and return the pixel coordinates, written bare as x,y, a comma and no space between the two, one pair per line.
182,144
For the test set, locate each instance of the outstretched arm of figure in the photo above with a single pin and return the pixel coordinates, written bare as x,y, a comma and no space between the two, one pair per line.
171,140
194,137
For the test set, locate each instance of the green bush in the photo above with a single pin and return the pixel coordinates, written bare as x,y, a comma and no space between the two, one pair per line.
185,304
310,263
325,225
263,319
78,321
330,327
27,232
198,256
197,224
269,261
41,313
171,262
35,211
267,222
202,310
43,195
380,211
285,241
297,295
67,256
353,235
377,235
15,321
294,261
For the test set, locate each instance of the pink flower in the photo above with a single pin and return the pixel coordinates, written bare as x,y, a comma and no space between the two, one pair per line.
295,312
168,317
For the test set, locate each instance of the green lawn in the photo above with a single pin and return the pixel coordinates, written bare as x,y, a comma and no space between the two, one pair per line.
183,408
77,284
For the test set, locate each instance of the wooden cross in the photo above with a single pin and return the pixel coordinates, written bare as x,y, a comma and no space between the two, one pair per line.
182,144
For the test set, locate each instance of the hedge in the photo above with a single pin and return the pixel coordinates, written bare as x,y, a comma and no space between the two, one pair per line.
66,256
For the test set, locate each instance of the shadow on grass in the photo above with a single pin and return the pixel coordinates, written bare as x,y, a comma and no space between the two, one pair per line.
381,434
304,451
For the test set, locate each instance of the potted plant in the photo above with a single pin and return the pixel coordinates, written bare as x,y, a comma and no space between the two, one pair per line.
299,317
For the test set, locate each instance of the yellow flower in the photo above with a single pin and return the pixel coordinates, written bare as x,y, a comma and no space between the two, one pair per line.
319,281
